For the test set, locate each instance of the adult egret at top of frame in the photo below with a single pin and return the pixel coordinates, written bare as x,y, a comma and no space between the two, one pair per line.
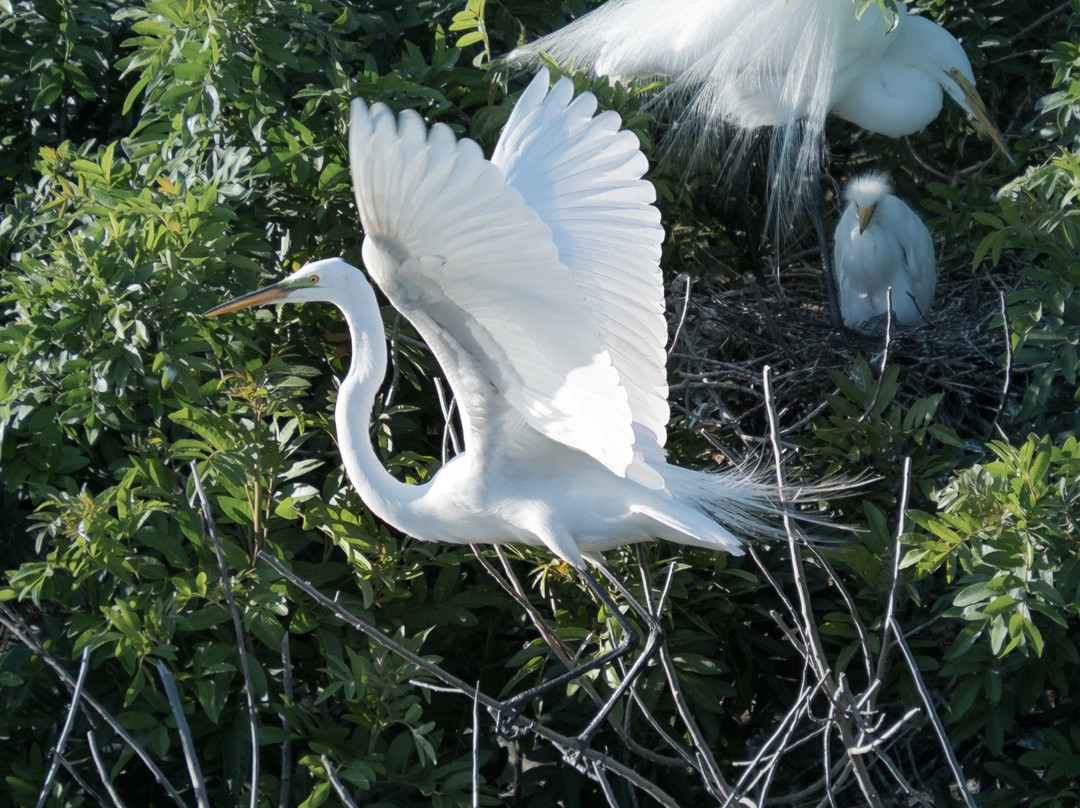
882,244
735,66
534,278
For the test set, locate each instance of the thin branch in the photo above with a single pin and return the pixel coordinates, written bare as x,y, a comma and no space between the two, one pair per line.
65,731
884,737
187,742
920,684
810,634
894,584
512,586
476,749
238,630
884,357
782,730
285,784
560,741
335,781
449,437
1043,19
80,781
684,309
12,623
1007,328
605,786
939,729
103,774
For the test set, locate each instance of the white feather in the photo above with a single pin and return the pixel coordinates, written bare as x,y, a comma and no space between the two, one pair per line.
535,281
734,67
895,251
583,177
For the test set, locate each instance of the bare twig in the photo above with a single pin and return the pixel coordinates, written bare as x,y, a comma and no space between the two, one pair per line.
920,684
1007,328
894,583
512,586
605,786
1043,19
450,444
65,731
811,638
187,742
652,614
559,740
238,630
476,749
80,781
683,311
103,774
285,784
884,357
12,623
335,781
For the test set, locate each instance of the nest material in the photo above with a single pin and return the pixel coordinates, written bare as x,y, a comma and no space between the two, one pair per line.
726,333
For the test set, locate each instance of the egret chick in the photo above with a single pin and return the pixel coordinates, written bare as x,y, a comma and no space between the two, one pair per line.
534,278
881,244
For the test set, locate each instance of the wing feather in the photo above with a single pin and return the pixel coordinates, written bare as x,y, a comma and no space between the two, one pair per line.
460,254
583,175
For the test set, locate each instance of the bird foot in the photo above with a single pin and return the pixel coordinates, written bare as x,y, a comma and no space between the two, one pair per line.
507,724
576,755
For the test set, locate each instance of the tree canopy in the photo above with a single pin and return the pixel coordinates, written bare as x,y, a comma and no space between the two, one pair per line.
171,490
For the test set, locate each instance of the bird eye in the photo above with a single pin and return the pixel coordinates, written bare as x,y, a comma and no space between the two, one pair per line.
313,278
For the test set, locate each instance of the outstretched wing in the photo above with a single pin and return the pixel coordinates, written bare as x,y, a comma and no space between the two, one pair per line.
584,177
458,252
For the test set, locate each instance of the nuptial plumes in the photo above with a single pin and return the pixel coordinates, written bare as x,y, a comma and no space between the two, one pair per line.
881,244
534,278
734,67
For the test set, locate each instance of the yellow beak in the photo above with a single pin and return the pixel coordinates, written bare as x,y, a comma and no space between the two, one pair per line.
978,111
260,297
865,215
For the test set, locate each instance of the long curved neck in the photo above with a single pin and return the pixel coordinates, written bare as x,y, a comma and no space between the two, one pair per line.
386,497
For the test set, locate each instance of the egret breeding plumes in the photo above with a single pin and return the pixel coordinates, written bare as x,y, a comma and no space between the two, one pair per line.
882,244
534,278
734,67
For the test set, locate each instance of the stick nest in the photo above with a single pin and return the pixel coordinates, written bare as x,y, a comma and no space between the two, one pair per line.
726,332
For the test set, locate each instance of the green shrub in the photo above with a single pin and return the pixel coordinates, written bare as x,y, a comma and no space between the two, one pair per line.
157,158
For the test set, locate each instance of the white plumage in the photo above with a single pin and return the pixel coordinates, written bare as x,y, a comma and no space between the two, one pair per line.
534,278
882,243
735,66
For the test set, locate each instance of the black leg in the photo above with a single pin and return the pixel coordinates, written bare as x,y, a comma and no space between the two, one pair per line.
653,638
741,189
512,708
817,210
753,235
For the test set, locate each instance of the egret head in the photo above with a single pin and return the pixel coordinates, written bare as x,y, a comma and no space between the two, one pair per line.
320,281
928,46
865,192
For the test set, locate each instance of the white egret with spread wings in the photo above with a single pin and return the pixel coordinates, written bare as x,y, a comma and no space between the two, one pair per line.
534,278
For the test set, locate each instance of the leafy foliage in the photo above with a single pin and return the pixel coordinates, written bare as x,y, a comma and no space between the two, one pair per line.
157,157
1005,538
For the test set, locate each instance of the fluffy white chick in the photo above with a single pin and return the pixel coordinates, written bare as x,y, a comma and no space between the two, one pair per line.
880,243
